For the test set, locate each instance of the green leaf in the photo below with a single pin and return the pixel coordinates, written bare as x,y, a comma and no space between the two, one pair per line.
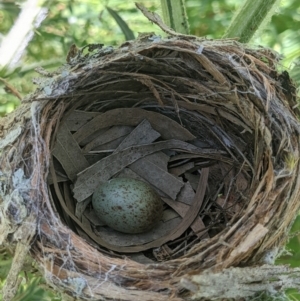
122,24
295,75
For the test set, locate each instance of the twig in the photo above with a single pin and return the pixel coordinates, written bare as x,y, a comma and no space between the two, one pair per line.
27,231
10,89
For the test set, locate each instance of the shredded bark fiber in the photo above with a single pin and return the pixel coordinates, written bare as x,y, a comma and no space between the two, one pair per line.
219,108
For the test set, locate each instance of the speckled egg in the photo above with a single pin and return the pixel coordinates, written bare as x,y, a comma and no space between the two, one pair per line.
127,205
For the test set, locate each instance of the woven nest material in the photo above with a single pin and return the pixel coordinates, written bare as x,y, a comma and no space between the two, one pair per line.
210,125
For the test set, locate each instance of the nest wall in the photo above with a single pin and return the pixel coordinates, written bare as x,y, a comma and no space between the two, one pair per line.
219,89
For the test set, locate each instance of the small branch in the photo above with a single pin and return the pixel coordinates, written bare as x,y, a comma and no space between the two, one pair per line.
16,41
252,16
155,18
10,89
26,233
239,283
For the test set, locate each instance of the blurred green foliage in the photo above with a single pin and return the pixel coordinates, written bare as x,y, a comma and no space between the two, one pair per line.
82,22
30,288
292,256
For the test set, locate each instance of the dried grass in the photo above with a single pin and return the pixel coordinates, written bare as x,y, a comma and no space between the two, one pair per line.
219,89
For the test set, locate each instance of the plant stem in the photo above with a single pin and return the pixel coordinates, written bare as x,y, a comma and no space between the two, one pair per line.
252,16
15,42
174,15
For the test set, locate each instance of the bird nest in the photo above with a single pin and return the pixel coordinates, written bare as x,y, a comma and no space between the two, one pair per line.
209,125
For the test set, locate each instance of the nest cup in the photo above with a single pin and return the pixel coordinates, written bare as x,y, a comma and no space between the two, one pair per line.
218,122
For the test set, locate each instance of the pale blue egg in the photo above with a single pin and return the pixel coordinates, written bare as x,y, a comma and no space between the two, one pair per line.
127,205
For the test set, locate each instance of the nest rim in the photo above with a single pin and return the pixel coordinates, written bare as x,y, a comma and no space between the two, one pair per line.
264,109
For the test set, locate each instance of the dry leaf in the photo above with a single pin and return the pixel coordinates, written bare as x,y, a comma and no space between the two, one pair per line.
93,218
68,198
68,153
168,128
179,170
81,206
186,194
193,179
108,147
128,173
59,178
142,134
194,208
141,258
185,156
102,171
159,178
122,239
169,214
93,158
88,138
79,118
197,225
146,169
111,134
160,159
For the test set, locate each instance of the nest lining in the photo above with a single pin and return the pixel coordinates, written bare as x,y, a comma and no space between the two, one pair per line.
177,192
226,95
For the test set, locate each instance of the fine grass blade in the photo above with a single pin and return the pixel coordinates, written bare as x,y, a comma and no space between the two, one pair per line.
122,24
